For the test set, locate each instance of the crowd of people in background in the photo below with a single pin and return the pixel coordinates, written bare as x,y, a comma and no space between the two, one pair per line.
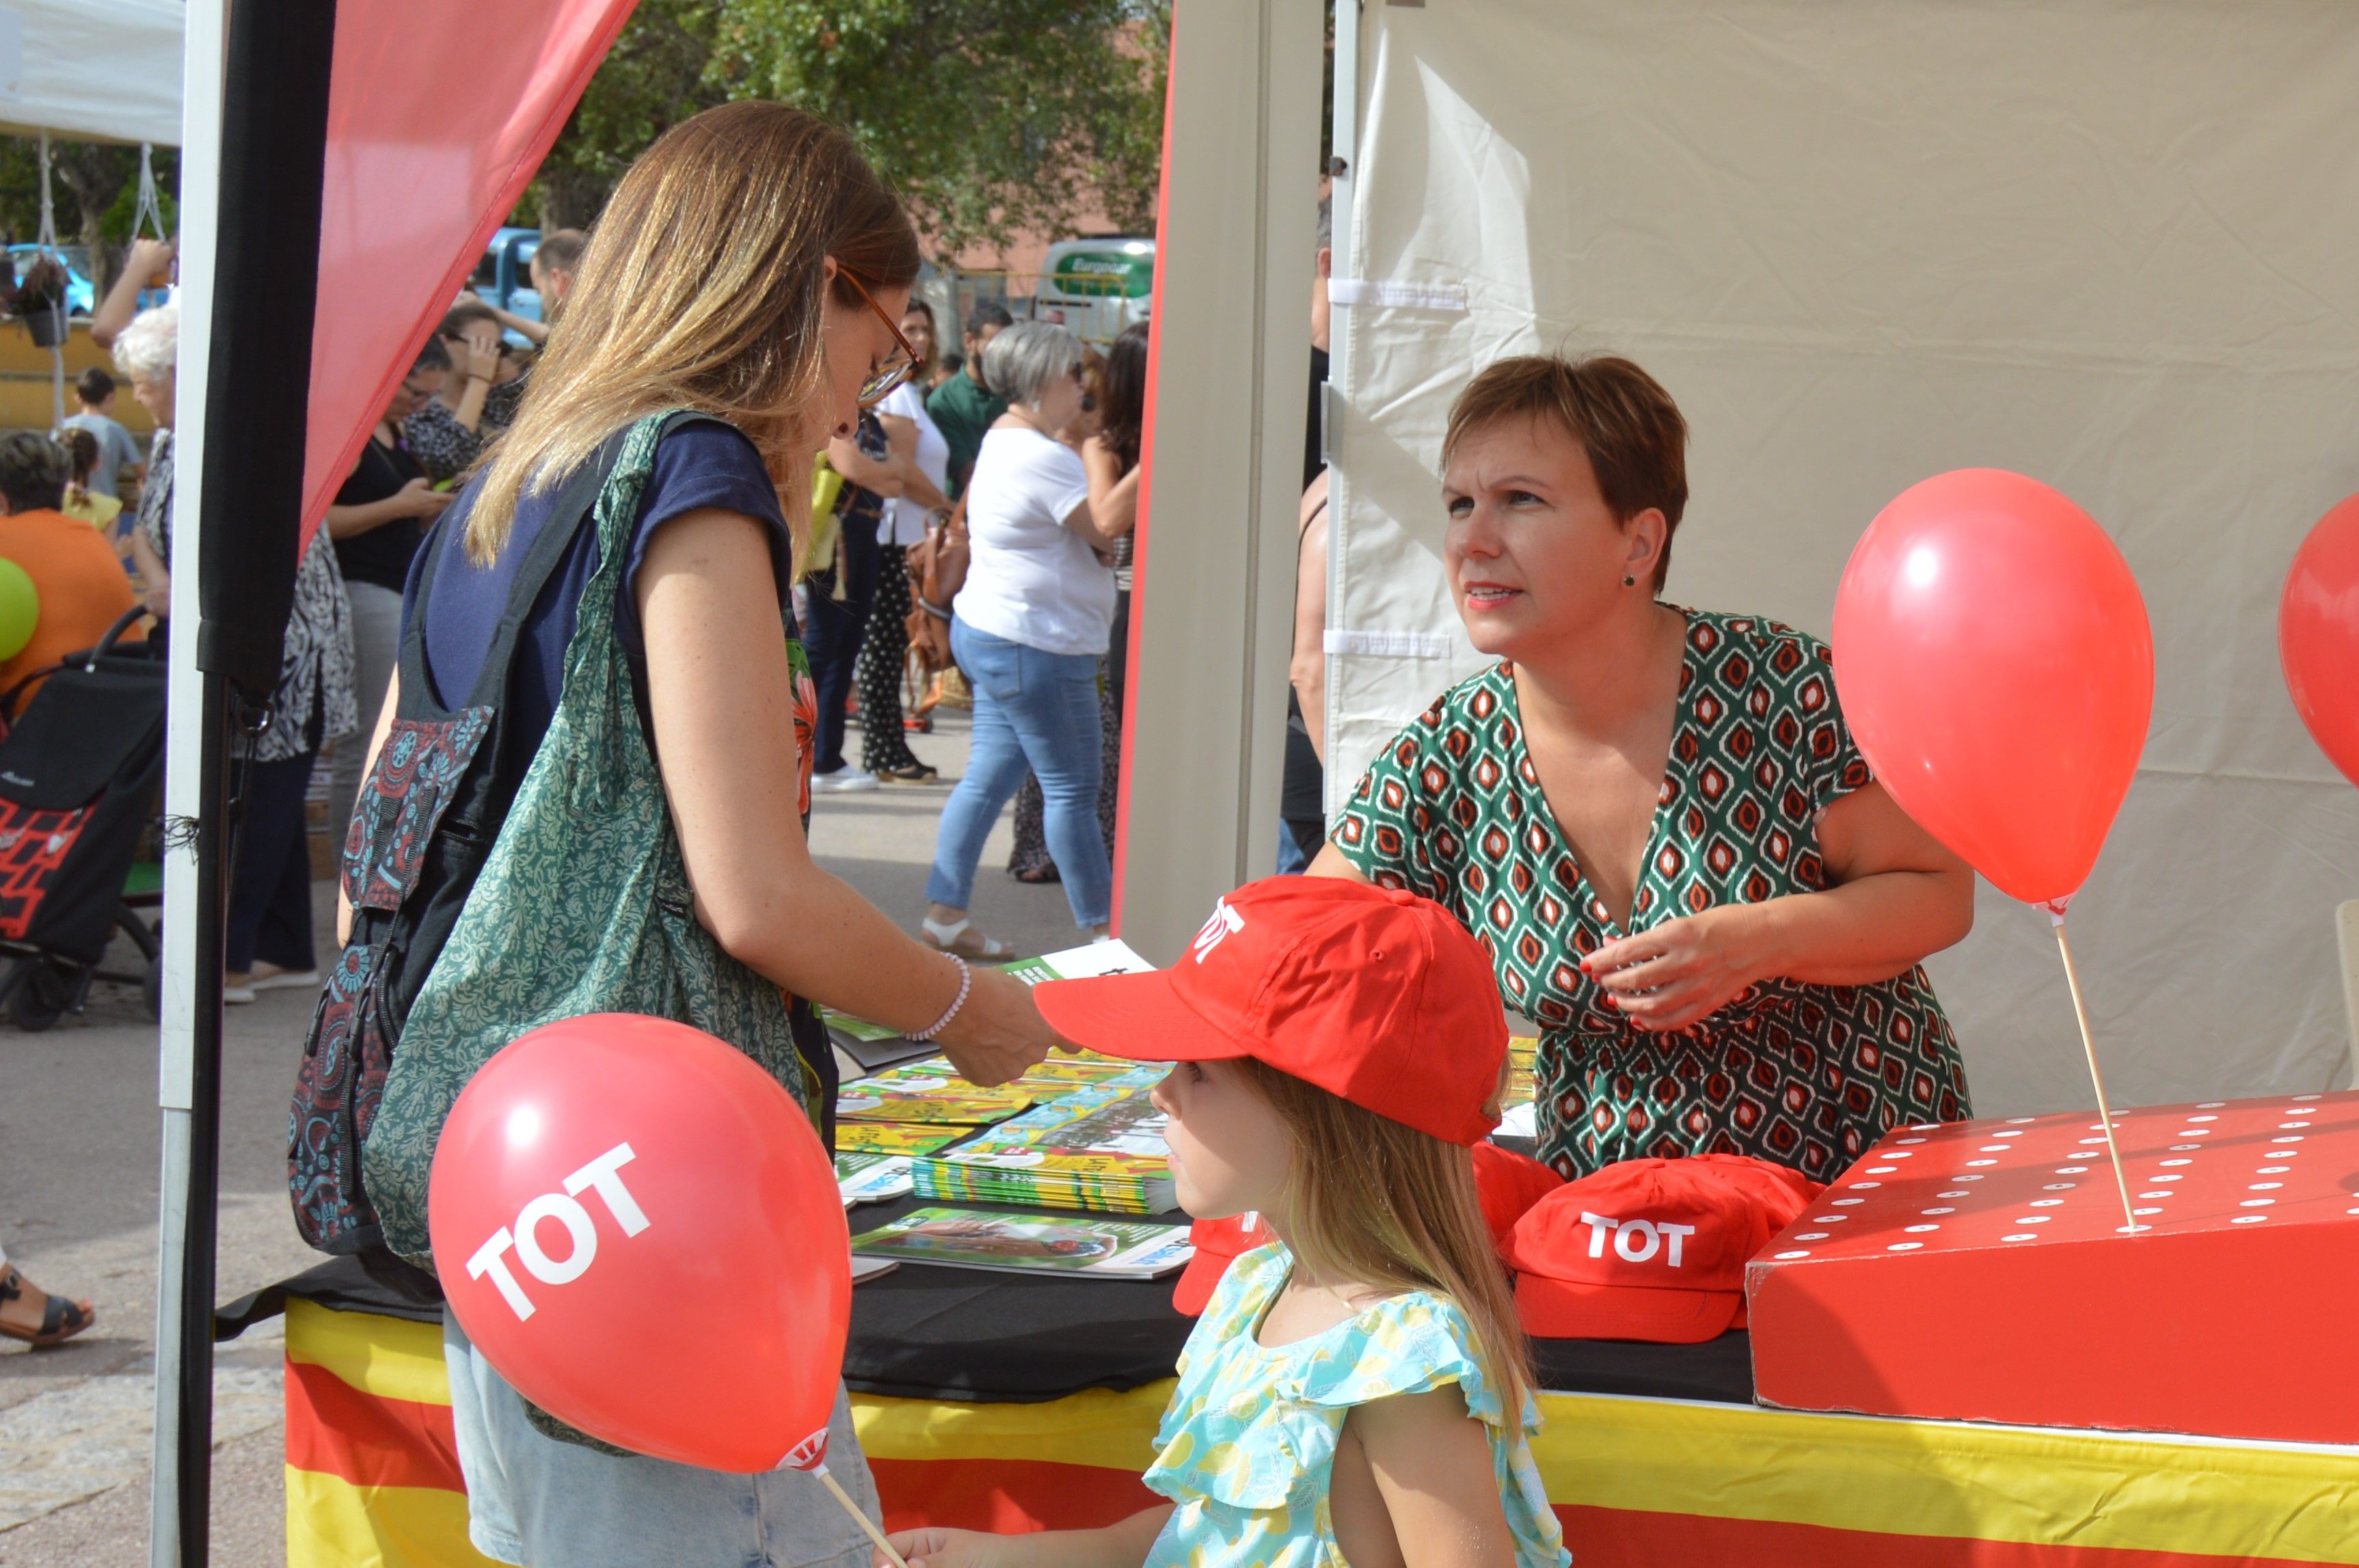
972,546
972,536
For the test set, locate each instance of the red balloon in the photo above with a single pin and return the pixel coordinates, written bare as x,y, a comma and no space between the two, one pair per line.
1996,665
2317,635
640,1231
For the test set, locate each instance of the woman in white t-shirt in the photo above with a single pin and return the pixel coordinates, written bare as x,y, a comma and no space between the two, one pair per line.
1030,629
922,456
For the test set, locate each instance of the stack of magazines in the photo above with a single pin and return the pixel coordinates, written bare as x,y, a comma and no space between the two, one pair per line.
1100,1147
1027,1244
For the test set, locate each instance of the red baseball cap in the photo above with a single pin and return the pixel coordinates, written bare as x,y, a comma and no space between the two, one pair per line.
1780,1192
1374,995
1507,1184
1647,1249
1218,1243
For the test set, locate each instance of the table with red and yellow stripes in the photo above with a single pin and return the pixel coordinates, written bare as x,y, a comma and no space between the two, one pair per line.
372,1475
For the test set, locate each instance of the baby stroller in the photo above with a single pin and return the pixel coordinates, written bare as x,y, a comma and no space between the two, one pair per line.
78,777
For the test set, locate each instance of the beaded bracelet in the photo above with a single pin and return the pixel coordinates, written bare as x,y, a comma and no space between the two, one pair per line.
966,983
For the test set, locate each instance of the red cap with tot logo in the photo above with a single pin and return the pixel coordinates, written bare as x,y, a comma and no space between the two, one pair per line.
1377,996
1649,1249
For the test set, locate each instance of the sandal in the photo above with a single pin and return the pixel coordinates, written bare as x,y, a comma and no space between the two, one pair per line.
915,773
60,1319
966,942
1038,875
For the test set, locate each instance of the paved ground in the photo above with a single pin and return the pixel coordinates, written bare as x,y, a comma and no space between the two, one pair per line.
78,1180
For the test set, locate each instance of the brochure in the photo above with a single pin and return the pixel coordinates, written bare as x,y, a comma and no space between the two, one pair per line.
872,1178
870,1100
876,1046
1031,1243
871,1045
894,1138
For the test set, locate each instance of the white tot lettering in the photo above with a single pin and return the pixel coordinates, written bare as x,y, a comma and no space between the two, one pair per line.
1645,1231
487,1261
1598,1225
1673,1235
604,1174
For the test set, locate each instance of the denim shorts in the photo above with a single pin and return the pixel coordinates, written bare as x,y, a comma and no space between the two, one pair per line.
538,1502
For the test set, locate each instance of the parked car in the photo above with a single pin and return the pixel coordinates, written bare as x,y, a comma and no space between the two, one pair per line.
504,277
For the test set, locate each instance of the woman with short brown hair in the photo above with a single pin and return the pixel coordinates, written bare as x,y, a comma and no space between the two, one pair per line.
1654,817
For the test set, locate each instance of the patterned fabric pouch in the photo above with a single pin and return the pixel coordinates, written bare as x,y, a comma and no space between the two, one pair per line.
583,904
420,830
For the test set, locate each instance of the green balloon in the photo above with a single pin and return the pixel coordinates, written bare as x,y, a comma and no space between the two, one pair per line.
20,609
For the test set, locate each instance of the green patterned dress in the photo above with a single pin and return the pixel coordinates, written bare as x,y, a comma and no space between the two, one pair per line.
1806,1076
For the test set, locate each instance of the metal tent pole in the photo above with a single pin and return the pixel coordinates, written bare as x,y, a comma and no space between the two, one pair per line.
254,146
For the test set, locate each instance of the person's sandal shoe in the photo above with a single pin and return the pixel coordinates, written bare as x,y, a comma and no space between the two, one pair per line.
916,773
60,1319
966,942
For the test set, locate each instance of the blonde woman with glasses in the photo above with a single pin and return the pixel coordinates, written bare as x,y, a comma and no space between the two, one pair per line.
751,270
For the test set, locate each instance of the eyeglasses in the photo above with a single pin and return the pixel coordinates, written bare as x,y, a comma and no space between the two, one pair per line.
882,382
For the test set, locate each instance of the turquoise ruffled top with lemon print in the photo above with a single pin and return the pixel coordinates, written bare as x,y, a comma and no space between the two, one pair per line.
1249,1439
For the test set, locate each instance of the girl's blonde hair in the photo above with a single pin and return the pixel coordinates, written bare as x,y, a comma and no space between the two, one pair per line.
1374,1201
701,289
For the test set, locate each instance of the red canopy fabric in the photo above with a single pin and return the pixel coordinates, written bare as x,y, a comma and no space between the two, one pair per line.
439,113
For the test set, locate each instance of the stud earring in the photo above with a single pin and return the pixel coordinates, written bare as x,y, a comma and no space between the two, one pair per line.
1629,582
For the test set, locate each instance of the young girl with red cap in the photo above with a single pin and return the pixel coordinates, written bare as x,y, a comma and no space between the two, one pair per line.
1356,1391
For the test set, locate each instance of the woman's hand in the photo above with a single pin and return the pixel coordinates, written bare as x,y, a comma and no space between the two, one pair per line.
1675,973
999,1032
1896,894
418,498
480,360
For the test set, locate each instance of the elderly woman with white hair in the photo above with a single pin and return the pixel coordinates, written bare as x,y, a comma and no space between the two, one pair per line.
267,943
147,352
1029,629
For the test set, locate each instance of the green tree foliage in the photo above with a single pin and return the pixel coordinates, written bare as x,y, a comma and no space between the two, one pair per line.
94,187
655,77
993,117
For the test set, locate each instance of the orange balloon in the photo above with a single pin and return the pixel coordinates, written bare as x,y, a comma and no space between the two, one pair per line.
2317,635
1994,663
640,1231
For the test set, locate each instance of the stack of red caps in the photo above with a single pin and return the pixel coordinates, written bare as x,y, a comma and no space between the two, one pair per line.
1650,1249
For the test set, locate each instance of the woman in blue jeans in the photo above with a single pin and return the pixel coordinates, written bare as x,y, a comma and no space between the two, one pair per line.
1030,630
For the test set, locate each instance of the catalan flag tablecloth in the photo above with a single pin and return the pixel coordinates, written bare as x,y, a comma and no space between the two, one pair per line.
372,1475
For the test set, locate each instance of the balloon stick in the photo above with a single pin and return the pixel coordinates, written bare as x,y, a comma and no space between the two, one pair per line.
861,1518
2096,1075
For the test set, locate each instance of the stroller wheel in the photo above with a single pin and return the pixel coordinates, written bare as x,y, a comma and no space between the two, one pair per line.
39,995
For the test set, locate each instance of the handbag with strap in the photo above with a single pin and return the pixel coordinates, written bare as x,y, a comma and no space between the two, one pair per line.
936,572
492,894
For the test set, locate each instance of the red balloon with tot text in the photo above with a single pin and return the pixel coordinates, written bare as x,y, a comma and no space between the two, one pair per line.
640,1231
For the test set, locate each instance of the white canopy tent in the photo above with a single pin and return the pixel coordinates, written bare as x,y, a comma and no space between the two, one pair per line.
2106,242
93,69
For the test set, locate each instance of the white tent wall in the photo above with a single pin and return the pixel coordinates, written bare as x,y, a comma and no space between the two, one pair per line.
96,70
1211,615
2107,242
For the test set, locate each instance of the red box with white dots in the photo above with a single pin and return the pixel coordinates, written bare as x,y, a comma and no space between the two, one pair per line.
1980,1271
